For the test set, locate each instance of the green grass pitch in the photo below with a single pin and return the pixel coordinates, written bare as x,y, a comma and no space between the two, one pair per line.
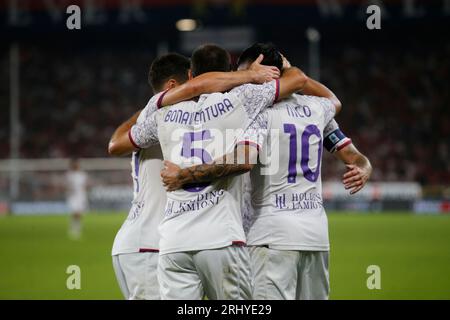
413,253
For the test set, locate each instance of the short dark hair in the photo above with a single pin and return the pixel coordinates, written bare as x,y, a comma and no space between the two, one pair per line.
209,58
168,66
272,57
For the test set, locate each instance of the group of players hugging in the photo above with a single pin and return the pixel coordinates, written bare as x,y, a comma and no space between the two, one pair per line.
226,167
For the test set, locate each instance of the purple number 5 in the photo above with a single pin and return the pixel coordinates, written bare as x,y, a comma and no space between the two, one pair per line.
309,174
188,151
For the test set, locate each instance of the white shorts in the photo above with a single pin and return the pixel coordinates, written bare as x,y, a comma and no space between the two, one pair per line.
220,274
289,275
136,274
77,205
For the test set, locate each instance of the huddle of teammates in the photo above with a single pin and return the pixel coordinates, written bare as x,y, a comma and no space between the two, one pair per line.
239,154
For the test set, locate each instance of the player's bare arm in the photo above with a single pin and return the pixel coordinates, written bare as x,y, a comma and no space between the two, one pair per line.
238,162
315,88
292,80
358,166
118,145
221,81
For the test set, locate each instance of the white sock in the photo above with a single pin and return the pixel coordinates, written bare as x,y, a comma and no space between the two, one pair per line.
75,227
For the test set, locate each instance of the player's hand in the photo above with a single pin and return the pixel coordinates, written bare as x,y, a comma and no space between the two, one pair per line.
355,178
263,73
171,176
286,63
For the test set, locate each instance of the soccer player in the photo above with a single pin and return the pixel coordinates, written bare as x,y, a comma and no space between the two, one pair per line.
77,201
289,233
136,246
201,246
135,249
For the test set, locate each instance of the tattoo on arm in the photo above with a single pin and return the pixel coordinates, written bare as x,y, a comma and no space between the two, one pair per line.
213,171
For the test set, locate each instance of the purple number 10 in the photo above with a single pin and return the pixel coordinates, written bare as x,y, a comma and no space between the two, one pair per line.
292,169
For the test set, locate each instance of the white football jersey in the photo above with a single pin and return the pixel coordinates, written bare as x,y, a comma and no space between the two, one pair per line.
335,140
287,186
139,232
247,209
208,215
77,186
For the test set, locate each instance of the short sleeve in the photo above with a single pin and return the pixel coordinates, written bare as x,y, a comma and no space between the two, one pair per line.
329,109
330,127
154,103
145,134
256,97
256,133
334,139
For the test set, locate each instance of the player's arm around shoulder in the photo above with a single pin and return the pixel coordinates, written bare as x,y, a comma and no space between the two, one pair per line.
131,137
238,162
120,144
308,86
317,89
292,80
220,81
